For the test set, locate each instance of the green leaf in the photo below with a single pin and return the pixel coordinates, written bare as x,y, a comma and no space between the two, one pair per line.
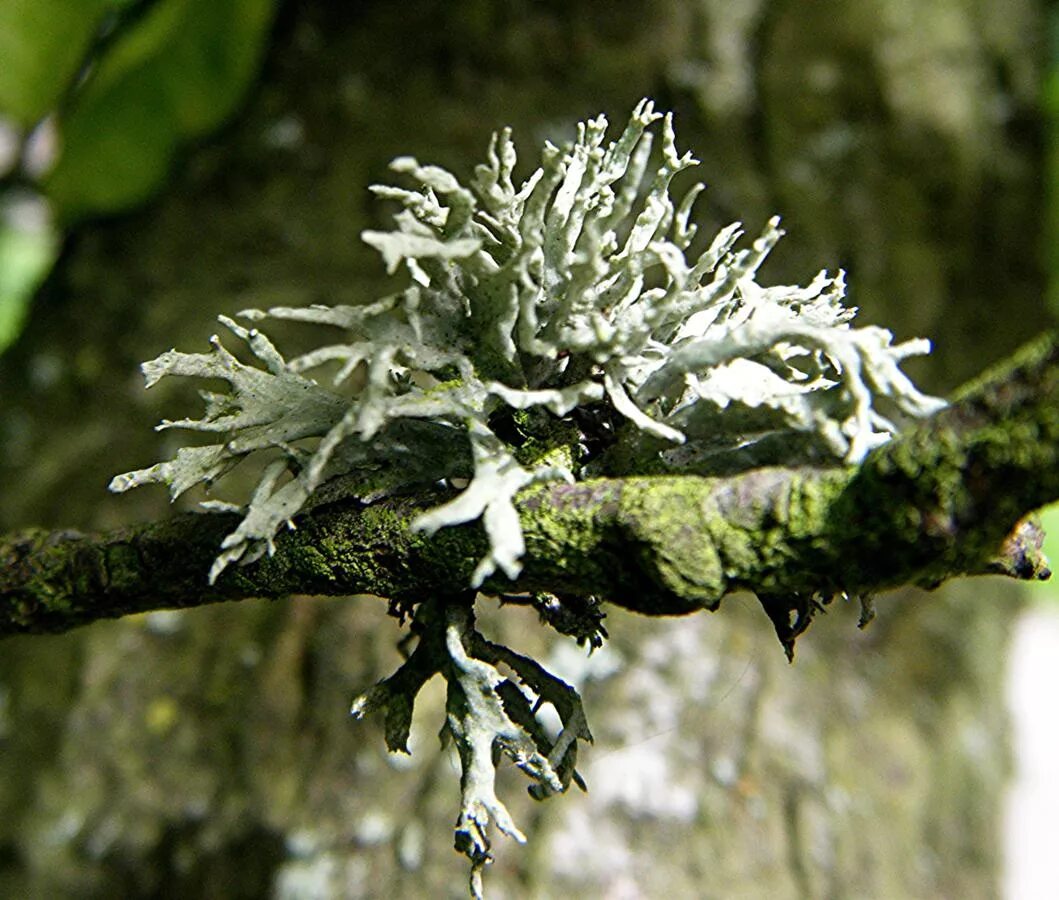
175,75
28,247
42,44
1049,590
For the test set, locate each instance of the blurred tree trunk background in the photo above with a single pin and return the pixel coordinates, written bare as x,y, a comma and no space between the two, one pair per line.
210,754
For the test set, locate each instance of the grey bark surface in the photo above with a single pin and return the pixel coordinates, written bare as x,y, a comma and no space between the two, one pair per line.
209,752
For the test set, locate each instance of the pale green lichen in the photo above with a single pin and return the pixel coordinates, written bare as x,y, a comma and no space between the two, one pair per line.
488,714
564,327
574,298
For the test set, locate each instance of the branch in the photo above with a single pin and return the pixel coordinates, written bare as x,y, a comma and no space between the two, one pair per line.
943,499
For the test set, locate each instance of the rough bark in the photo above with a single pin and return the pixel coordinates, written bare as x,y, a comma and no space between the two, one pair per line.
207,753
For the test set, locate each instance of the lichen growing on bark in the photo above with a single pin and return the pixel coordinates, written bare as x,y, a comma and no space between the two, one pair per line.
565,326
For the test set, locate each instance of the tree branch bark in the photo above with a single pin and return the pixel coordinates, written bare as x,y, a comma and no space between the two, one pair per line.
946,498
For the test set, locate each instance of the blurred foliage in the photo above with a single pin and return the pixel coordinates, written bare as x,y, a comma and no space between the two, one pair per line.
1050,103
1050,520
175,75
28,248
124,85
43,44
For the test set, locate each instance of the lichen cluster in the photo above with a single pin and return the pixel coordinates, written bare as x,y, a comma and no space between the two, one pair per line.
566,326
559,326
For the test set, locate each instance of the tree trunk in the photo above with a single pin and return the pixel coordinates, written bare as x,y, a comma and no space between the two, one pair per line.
209,753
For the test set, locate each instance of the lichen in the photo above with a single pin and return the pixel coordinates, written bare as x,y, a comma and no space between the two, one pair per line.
564,326
487,715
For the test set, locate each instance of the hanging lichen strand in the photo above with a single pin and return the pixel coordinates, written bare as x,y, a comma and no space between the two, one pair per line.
549,330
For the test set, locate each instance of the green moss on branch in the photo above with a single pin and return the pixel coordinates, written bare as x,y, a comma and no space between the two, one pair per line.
943,499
